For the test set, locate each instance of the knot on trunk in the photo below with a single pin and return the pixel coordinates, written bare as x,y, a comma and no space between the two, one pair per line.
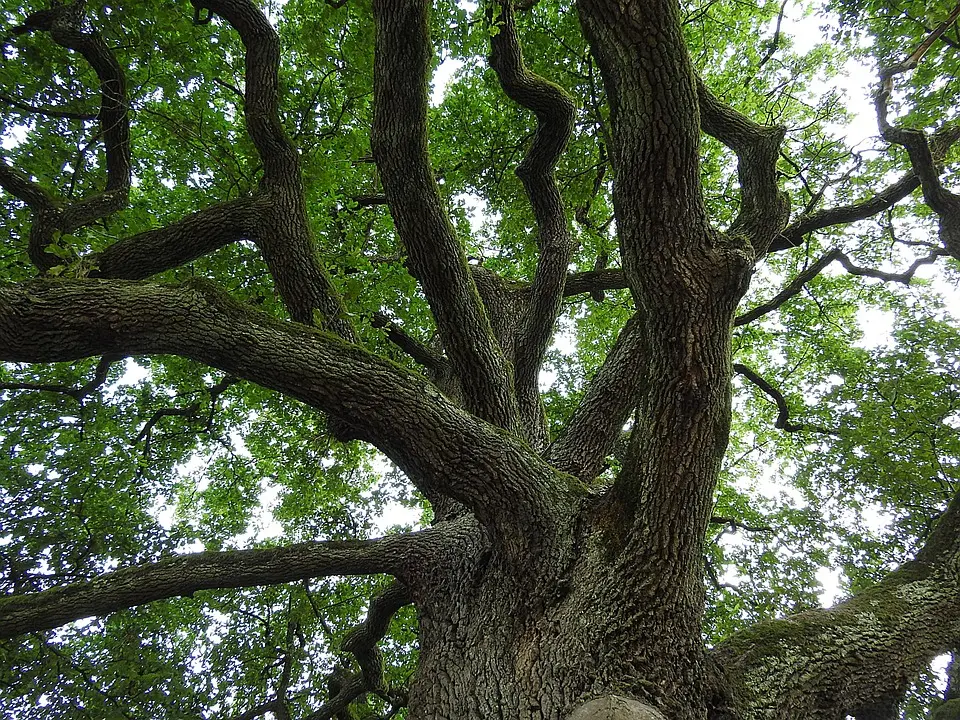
616,707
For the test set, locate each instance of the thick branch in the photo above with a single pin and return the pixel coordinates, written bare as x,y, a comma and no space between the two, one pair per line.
441,448
148,253
838,662
555,115
764,210
281,163
651,88
283,233
436,258
187,574
597,423
595,281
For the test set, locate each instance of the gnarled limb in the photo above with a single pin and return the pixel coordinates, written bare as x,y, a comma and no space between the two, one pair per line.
186,574
436,258
442,449
830,663
764,209
555,114
362,642
283,233
799,282
922,150
65,23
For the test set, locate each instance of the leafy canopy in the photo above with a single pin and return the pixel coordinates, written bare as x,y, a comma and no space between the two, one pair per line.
161,455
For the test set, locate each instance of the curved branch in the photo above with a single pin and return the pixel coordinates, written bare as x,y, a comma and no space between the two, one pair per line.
65,24
281,163
555,115
783,410
187,574
764,210
800,281
840,661
77,393
442,449
793,234
925,152
362,640
436,258
148,253
283,232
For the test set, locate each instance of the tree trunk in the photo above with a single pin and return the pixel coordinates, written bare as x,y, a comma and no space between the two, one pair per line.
536,639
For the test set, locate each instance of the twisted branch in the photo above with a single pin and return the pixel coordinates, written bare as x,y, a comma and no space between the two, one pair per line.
555,115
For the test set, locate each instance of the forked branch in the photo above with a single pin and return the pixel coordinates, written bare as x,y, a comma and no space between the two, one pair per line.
52,215
764,209
814,269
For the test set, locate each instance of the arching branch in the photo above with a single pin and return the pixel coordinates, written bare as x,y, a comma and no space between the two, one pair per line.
442,449
184,575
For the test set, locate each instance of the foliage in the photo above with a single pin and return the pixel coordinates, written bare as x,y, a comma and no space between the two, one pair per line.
158,460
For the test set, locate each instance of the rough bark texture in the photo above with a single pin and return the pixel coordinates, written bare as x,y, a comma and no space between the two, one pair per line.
536,590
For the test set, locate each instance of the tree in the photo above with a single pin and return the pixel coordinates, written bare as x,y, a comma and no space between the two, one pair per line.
235,271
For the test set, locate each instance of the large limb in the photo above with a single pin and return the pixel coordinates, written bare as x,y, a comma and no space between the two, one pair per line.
183,575
442,449
597,423
686,279
148,253
555,115
684,276
436,257
860,654
283,233
764,210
